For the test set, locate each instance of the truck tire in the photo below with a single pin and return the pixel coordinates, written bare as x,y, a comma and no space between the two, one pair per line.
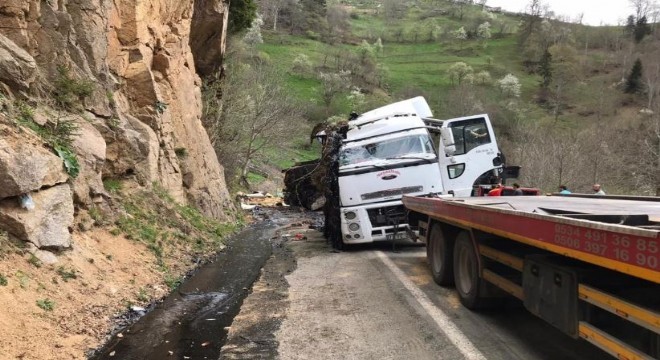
440,254
466,272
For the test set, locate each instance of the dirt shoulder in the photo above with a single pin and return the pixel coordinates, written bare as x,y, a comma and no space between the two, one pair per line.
61,311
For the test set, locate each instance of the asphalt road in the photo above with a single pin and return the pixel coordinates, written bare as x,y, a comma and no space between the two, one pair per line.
372,303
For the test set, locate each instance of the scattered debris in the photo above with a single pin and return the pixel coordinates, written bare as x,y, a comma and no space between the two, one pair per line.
26,202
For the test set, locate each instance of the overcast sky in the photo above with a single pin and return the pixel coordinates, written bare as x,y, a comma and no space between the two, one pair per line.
596,12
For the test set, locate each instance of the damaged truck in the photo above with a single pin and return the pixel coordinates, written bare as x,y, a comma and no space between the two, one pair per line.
370,161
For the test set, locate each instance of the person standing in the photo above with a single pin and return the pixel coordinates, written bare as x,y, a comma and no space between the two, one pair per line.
517,191
564,190
496,191
597,190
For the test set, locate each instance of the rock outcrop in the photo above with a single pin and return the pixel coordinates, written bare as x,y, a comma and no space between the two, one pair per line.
141,121
45,225
208,37
26,165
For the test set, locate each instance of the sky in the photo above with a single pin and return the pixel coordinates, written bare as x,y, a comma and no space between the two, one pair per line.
596,12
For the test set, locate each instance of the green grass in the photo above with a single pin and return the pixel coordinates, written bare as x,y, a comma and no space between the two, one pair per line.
34,261
422,65
112,186
66,274
156,220
46,304
255,179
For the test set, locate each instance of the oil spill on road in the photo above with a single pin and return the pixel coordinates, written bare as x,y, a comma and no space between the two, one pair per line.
192,321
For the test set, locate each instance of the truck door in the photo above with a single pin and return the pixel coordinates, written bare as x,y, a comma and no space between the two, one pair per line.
474,152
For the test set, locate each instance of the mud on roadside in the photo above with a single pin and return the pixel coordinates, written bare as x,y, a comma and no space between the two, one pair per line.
252,334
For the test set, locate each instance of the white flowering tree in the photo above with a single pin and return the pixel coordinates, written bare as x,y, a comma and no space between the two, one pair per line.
460,33
482,78
378,46
509,85
483,31
460,72
333,84
253,35
301,64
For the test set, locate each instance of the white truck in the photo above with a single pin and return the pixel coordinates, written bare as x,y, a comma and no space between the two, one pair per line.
390,152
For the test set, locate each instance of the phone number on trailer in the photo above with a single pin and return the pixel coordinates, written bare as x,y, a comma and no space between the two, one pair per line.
629,249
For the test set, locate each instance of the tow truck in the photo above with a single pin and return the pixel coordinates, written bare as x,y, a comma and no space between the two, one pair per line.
587,264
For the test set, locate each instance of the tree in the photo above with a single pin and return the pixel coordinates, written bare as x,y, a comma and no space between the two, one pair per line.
642,29
531,21
482,78
459,72
253,35
241,14
257,113
460,33
509,85
483,31
301,64
333,84
634,80
564,73
545,69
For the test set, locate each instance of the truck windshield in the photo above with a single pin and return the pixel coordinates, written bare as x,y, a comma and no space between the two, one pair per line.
403,147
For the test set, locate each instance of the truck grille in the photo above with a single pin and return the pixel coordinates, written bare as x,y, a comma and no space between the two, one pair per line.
391,192
378,217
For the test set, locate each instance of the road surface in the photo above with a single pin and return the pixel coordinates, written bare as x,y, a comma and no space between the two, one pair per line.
372,303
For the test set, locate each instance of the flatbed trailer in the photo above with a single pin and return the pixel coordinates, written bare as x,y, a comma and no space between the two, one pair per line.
589,265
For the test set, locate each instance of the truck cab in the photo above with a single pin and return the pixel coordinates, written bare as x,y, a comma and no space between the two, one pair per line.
390,152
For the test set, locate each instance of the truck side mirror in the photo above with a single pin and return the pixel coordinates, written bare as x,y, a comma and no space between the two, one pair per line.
448,141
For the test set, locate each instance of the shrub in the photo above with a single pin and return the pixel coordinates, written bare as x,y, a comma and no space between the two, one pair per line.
46,304
66,274
112,185
69,92
3,280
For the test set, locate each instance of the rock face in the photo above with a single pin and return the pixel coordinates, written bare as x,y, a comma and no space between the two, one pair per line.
26,165
208,37
146,106
17,68
45,225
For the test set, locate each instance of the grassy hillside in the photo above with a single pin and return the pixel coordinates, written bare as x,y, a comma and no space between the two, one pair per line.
420,45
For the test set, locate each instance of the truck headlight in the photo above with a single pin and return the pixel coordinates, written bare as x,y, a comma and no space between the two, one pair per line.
350,215
354,226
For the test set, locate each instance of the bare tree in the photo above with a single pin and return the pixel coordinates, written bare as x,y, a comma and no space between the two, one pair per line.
257,114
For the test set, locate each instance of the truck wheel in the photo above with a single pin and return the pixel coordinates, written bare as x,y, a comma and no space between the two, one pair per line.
440,255
466,272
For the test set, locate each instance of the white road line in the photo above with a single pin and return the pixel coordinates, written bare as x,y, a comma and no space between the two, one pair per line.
462,343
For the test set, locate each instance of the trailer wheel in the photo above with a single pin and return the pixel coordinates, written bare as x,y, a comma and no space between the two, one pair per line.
440,255
466,272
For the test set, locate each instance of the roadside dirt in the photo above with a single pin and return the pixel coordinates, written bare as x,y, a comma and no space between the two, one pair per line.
91,284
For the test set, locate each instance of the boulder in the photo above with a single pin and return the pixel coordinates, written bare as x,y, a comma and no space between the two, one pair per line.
25,166
17,68
47,225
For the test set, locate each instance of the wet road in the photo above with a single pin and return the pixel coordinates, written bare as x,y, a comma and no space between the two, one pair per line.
372,303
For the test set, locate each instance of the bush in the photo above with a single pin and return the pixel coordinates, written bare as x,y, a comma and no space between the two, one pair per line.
69,92
46,304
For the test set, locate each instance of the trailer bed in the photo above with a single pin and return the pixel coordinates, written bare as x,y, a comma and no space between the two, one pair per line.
616,233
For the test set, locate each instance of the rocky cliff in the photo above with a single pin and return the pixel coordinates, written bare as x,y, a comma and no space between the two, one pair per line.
123,72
